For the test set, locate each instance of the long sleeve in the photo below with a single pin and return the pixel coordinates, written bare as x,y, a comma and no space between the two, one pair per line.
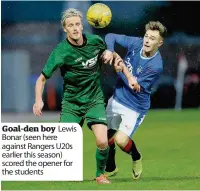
123,40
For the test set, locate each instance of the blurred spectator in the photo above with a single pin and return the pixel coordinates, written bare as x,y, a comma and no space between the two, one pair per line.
191,91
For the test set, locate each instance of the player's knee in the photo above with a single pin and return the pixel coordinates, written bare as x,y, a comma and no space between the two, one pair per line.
121,139
100,132
102,143
120,142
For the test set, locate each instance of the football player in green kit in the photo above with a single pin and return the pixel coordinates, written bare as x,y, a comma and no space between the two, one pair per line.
78,58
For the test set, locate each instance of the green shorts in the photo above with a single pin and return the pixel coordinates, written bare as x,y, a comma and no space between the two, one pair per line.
93,114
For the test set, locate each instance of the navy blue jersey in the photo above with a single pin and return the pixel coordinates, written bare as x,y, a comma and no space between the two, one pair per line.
146,70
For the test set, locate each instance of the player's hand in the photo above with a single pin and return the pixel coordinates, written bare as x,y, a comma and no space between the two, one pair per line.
133,84
37,108
137,87
118,65
107,57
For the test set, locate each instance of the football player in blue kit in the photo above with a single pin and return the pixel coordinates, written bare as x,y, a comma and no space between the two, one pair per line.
127,108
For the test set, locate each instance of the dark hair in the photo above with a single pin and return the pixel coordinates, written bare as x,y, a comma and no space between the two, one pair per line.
156,25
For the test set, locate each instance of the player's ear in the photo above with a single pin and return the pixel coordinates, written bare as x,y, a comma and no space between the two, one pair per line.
160,43
64,29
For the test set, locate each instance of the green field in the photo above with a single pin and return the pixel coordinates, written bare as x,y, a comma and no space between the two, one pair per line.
170,144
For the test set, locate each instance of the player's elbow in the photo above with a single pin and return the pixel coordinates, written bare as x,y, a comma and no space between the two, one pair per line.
41,79
109,36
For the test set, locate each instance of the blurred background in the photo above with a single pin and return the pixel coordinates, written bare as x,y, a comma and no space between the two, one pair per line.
31,30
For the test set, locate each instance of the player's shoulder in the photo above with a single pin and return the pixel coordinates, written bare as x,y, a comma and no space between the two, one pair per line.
61,47
136,42
60,50
158,61
139,42
93,38
139,39
158,57
62,44
58,46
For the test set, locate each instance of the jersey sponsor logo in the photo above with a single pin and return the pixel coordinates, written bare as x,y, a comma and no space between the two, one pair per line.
129,66
90,63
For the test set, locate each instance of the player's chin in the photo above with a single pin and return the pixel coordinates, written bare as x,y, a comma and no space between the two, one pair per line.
147,49
76,37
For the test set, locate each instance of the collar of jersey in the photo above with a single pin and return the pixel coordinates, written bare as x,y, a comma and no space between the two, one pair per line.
147,58
84,42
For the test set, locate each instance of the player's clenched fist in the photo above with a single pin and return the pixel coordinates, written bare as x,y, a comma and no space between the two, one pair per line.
133,84
37,108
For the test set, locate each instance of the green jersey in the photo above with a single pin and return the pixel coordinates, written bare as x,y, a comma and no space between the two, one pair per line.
80,69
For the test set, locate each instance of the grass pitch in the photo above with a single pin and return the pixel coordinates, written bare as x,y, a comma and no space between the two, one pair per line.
170,144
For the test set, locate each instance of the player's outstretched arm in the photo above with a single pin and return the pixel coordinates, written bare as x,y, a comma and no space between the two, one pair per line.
119,66
111,39
39,87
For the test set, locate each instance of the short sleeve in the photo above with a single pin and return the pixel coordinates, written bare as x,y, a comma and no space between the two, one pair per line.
54,61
